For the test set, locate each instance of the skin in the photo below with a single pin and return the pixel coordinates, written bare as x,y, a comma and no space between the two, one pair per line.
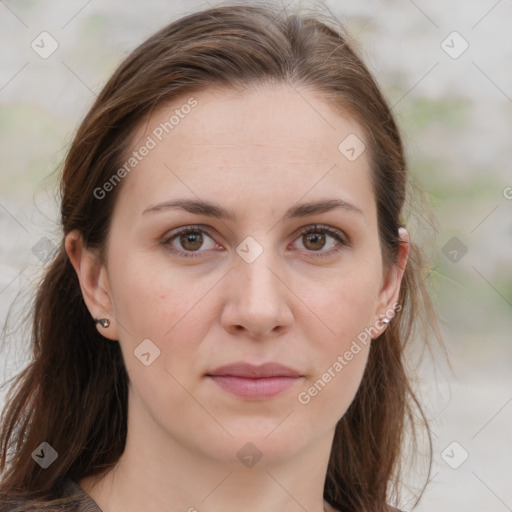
257,153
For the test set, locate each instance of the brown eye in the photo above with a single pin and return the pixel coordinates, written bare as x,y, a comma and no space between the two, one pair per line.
319,240
191,241
314,241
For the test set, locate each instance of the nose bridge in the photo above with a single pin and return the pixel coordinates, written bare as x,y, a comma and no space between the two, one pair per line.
259,301
259,284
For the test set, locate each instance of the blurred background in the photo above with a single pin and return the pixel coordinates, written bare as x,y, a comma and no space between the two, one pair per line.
445,68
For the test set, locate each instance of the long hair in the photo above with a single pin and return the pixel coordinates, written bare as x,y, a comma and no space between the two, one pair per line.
73,394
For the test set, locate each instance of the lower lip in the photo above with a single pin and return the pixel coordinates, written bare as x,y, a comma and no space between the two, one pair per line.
254,388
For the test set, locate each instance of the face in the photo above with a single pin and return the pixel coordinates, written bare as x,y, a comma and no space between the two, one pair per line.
244,237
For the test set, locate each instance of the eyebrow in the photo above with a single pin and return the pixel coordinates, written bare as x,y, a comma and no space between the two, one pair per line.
201,207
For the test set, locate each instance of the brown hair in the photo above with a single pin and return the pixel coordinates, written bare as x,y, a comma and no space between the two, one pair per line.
73,394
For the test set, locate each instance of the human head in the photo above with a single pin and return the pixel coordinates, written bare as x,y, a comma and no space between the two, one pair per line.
233,47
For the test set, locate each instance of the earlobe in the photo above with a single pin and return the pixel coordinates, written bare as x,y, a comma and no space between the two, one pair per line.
93,278
387,304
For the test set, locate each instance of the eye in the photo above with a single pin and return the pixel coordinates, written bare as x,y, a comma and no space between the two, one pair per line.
188,241
192,241
322,240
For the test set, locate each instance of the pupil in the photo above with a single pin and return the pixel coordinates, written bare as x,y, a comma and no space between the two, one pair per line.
191,241
315,239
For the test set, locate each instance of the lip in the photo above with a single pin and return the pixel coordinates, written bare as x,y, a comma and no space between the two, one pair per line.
255,382
251,371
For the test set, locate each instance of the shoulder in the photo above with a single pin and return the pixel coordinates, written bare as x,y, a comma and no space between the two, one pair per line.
83,502
70,498
329,508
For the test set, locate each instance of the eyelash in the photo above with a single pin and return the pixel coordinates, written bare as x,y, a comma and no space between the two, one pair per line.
316,228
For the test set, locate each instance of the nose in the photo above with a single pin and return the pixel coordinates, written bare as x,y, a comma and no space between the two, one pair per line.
258,300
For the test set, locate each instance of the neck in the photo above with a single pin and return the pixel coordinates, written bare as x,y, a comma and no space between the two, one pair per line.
158,473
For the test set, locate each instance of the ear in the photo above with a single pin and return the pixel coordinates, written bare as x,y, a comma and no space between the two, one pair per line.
93,278
387,303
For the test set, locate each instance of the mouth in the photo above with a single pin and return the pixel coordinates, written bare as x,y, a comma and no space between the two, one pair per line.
255,382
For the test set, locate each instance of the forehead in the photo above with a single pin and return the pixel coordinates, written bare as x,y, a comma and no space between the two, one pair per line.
275,141
275,116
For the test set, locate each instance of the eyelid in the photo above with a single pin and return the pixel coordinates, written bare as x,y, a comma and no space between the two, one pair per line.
336,233
174,233
342,239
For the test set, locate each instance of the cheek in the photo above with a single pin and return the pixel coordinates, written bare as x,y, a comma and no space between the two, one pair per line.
330,393
150,299
169,308
346,304
346,308
339,359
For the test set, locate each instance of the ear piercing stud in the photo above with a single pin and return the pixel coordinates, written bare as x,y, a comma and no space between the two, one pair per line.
385,319
104,322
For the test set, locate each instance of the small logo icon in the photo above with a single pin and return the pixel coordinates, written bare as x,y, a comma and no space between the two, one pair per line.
454,45
351,147
44,45
44,455
454,455
454,249
249,455
249,249
43,249
147,352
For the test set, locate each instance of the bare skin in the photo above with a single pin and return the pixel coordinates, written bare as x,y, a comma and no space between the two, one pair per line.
301,302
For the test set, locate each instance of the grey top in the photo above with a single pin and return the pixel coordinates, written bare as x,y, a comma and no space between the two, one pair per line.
87,504
73,490
80,501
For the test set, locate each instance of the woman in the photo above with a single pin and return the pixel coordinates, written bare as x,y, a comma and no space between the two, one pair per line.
223,327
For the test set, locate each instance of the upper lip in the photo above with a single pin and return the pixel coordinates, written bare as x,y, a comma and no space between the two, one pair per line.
252,371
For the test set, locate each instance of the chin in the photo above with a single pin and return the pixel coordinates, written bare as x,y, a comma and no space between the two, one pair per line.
249,446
